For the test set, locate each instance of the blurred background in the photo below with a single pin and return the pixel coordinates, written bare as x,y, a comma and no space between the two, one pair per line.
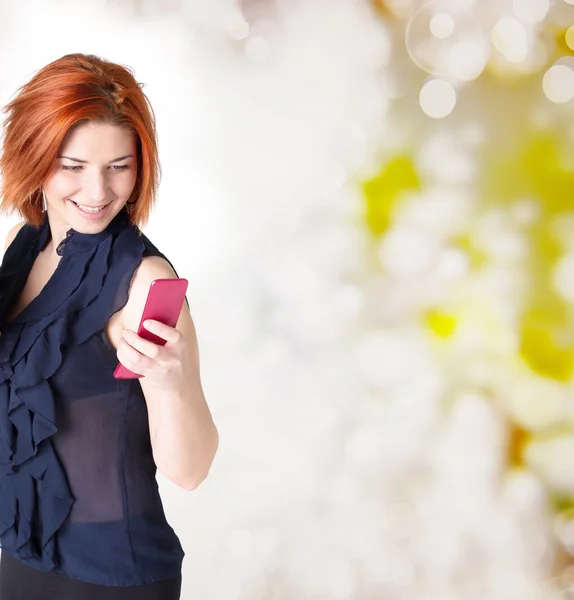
372,201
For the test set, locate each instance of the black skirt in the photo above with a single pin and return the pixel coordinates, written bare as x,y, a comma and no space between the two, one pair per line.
21,582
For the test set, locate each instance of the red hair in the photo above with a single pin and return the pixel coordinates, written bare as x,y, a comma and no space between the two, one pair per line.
66,93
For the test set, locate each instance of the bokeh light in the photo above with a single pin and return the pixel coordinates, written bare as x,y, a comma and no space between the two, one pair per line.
531,11
509,37
563,280
466,60
442,25
441,29
235,25
437,98
558,83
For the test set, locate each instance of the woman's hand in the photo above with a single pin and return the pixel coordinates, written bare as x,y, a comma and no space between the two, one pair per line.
166,366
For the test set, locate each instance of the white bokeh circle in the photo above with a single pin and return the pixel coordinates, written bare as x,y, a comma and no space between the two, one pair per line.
442,29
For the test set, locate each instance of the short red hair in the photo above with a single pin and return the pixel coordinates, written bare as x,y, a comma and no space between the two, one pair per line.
66,93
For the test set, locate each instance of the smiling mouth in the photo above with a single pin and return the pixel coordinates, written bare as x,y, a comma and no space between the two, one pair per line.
90,209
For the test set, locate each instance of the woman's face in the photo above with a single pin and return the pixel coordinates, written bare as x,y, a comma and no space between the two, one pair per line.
92,177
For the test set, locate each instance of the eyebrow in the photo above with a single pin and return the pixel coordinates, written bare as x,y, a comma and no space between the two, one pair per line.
85,161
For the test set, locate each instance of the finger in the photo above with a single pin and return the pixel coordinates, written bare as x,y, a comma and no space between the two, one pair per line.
169,334
143,346
132,359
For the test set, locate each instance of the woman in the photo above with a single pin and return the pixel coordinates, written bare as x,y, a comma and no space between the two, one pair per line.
80,511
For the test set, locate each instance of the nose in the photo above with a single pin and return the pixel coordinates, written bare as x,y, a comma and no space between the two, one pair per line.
95,187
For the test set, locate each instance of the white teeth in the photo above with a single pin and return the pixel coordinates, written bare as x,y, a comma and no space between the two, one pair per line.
89,209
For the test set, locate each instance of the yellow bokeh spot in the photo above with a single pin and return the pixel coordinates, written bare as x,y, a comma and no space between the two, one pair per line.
477,257
569,37
441,324
563,505
542,352
541,171
393,9
551,179
518,439
384,191
562,43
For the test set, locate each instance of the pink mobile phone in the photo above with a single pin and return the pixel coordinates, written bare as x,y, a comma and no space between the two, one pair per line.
164,302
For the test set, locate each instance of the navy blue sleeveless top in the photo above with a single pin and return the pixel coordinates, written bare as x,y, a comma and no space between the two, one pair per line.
78,493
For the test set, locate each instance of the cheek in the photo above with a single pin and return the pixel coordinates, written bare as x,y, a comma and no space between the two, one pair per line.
60,185
123,184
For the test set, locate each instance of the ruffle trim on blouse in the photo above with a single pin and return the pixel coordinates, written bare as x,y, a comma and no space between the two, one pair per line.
90,284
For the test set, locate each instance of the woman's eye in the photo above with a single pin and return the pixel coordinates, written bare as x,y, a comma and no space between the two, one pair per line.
75,168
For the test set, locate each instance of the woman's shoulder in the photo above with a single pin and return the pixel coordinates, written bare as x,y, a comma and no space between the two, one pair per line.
151,267
12,234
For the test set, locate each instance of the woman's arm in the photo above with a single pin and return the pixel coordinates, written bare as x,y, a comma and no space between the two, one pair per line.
183,436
